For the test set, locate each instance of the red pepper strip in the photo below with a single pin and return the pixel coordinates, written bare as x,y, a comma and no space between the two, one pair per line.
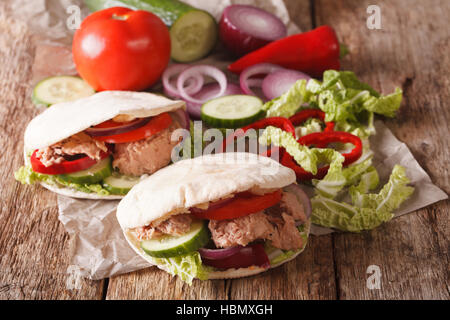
324,138
65,166
278,122
306,114
312,52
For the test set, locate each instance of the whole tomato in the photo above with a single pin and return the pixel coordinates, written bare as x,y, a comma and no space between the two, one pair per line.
121,49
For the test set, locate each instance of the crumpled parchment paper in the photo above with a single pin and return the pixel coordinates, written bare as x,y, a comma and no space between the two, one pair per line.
98,246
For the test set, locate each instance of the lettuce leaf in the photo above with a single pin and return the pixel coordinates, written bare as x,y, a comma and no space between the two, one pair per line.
368,210
391,196
288,103
26,175
187,267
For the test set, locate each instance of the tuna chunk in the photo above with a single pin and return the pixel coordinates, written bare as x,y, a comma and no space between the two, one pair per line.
176,226
276,224
147,155
80,143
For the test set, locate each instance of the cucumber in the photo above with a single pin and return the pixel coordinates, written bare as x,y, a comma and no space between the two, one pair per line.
94,174
60,89
171,246
193,32
233,111
119,184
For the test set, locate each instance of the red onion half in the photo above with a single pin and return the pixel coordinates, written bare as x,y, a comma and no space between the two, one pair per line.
244,29
261,68
280,81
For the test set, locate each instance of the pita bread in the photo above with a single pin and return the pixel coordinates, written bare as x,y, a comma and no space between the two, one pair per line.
195,181
63,120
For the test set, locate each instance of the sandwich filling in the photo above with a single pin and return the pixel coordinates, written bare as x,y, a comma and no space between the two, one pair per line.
226,237
108,158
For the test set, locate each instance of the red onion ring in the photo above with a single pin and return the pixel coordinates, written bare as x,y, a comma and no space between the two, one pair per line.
194,71
261,68
128,126
217,254
208,92
280,81
302,196
192,88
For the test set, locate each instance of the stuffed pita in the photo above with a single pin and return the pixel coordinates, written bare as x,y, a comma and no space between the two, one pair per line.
100,146
220,216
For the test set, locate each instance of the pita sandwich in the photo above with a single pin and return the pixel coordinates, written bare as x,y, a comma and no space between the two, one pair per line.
100,146
228,215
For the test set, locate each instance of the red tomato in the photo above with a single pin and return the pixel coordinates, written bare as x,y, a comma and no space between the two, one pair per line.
251,255
242,204
153,126
65,166
121,49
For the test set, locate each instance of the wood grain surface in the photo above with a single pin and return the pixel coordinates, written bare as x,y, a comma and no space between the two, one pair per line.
411,50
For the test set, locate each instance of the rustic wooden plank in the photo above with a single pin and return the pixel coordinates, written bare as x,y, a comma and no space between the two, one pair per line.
300,12
410,51
33,259
152,283
309,276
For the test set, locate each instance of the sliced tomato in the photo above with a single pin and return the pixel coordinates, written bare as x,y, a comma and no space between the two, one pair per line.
241,205
65,166
251,255
155,125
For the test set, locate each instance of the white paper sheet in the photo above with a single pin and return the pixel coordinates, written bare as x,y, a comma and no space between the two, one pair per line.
98,247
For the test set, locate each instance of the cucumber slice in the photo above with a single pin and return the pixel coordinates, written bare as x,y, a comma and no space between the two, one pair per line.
233,111
60,89
193,36
119,184
193,32
94,174
170,246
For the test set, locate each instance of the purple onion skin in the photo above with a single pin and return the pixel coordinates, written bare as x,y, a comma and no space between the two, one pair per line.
238,43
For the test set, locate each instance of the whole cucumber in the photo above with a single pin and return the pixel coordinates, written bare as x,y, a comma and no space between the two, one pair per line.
193,31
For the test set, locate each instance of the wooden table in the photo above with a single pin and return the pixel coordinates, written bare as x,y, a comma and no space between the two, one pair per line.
411,50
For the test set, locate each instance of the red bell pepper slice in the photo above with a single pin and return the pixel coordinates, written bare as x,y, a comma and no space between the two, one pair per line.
250,255
65,166
324,138
278,122
243,204
306,114
311,52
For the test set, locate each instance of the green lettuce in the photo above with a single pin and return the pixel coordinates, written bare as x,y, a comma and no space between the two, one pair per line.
187,267
368,210
26,175
288,103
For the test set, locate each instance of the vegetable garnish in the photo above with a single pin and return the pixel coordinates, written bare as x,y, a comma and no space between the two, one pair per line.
250,255
244,29
323,139
277,122
307,114
311,52
240,205
153,126
280,81
121,49
67,166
